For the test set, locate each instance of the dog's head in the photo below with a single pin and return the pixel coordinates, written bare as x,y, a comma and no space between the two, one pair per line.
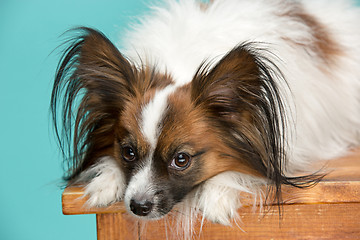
167,138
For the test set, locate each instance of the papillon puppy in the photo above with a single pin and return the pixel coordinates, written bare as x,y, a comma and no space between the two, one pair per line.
207,100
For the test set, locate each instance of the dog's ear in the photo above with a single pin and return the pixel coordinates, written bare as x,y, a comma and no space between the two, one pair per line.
241,89
232,87
241,96
92,82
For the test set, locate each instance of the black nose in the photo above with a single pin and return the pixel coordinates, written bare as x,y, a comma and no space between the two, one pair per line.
140,208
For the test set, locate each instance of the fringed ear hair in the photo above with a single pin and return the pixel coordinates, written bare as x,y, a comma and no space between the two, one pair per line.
92,82
241,96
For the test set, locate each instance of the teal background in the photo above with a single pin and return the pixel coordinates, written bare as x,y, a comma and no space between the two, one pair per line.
30,163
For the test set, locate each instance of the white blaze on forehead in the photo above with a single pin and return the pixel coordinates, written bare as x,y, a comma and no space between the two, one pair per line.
152,114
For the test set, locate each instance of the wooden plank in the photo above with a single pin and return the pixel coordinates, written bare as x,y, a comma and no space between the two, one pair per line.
345,168
74,202
341,185
111,226
330,210
325,192
315,221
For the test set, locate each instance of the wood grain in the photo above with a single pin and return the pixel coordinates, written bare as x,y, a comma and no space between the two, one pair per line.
330,210
74,202
112,226
315,221
325,192
319,221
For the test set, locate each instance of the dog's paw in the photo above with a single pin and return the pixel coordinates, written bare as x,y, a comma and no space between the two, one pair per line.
107,184
219,197
221,206
218,203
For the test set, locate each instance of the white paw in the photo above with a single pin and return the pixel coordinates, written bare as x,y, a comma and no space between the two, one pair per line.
107,184
219,204
219,197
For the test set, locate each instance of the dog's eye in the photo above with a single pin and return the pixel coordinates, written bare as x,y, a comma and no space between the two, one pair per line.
181,161
128,154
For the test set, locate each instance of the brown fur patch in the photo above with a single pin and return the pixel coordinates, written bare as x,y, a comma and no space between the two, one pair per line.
205,6
93,71
149,80
128,124
323,44
187,129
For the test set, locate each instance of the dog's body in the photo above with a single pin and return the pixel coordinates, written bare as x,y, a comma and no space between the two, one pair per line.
279,89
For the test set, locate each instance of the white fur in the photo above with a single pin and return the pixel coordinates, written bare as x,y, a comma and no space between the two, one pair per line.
152,114
323,106
140,184
217,200
107,184
219,197
142,188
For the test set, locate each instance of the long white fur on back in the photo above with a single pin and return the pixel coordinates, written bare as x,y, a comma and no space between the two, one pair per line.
323,104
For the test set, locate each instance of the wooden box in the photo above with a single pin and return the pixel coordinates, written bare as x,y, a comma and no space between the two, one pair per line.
330,210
